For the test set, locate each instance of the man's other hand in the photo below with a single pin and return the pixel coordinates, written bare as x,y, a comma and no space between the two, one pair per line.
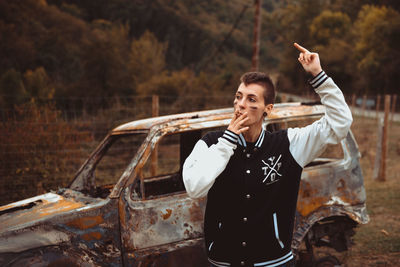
237,122
309,60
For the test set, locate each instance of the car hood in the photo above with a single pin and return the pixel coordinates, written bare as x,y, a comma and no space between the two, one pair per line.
30,211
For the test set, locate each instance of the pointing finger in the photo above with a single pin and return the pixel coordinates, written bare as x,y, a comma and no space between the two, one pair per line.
300,48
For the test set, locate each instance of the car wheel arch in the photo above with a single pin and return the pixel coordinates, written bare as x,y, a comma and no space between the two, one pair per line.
335,213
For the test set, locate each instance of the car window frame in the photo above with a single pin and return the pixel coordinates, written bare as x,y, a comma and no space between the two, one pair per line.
160,131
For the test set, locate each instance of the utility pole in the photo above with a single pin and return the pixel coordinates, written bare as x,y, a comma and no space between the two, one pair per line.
256,35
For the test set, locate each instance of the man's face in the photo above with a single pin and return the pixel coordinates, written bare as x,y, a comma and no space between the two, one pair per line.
250,99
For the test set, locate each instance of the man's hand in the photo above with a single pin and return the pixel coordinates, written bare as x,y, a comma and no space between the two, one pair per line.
236,124
309,61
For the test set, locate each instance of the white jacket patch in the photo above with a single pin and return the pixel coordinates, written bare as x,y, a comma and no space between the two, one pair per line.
271,169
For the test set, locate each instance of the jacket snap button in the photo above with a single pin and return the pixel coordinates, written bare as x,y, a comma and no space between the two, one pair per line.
242,263
248,171
248,155
245,219
244,244
248,196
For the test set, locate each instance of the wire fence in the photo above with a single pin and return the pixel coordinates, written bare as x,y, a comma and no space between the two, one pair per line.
42,145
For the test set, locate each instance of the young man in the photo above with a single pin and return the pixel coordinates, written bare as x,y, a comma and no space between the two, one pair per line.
251,177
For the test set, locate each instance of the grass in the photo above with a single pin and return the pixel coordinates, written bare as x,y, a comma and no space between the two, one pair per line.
378,242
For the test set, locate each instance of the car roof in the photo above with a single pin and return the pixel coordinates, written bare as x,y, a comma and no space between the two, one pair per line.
280,111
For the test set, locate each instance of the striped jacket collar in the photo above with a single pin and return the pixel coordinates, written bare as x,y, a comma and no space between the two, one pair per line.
258,143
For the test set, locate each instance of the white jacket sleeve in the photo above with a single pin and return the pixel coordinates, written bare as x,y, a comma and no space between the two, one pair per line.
205,164
309,142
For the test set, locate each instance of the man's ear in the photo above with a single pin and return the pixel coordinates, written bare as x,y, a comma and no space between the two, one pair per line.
268,108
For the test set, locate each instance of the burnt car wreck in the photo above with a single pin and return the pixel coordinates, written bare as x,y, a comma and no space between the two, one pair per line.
127,205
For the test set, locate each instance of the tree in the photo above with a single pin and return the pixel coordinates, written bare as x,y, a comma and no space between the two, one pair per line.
377,48
105,65
12,89
294,19
38,84
146,58
331,32
328,25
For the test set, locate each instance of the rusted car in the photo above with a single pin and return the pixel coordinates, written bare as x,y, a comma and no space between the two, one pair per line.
127,205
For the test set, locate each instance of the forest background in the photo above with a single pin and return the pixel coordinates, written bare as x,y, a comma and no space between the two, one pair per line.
71,70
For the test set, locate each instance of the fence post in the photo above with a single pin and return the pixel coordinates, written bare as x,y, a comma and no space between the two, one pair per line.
154,155
378,156
353,100
283,98
394,99
364,104
382,169
378,105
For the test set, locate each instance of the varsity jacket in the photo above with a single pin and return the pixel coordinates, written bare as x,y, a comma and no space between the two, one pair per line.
252,188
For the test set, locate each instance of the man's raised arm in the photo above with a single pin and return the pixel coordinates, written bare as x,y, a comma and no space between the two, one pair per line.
308,142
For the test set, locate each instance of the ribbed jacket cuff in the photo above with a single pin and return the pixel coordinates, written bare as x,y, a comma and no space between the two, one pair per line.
230,137
318,80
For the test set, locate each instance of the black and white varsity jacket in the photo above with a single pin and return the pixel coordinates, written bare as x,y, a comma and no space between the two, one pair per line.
252,188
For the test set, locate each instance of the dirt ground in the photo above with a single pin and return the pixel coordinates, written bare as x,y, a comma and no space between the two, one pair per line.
378,242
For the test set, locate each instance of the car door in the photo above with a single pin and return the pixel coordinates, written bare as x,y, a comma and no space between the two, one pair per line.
161,225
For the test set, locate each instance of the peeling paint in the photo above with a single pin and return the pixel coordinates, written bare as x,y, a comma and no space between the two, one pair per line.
92,236
336,201
46,198
48,207
25,240
86,222
165,216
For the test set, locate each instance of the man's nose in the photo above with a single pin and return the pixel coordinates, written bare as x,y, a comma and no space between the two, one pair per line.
241,103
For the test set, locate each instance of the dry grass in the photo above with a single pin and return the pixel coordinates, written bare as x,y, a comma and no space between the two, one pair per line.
378,242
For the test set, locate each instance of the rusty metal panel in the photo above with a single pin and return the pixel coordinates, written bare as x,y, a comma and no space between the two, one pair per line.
29,211
331,189
161,221
280,111
339,183
66,226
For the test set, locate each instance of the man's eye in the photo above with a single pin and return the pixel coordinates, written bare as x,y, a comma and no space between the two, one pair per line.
252,100
237,96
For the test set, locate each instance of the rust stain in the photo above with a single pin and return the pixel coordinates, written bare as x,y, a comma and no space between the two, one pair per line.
306,206
86,222
195,213
167,215
186,233
60,206
122,213
6,207
91,236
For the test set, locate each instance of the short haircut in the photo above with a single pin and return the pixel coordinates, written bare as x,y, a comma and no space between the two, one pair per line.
264,81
